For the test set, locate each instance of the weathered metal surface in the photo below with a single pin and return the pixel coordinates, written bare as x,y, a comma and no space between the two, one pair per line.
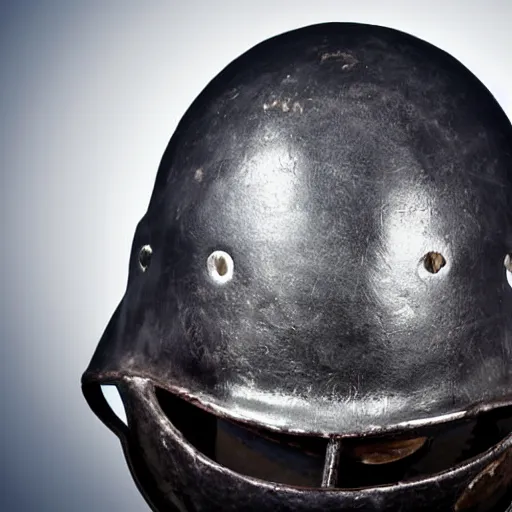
324,253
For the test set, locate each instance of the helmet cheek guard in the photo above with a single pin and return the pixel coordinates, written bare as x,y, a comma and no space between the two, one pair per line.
318,313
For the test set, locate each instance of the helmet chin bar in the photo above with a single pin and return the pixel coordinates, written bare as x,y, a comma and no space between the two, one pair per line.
332,460
163,462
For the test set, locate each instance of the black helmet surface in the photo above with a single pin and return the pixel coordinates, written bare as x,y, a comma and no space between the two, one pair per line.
318,313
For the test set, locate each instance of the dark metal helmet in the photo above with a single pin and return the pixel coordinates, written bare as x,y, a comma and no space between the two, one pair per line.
318,313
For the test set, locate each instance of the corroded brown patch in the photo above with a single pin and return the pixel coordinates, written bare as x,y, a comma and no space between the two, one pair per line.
391,451
488,487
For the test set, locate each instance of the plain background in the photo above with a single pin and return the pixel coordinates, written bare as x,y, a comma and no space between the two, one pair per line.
90,94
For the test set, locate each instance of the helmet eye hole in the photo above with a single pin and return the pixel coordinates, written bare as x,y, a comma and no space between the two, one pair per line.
434,262
362,463
145,257
220,266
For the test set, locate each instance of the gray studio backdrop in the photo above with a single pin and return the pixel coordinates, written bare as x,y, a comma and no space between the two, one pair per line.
90,93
